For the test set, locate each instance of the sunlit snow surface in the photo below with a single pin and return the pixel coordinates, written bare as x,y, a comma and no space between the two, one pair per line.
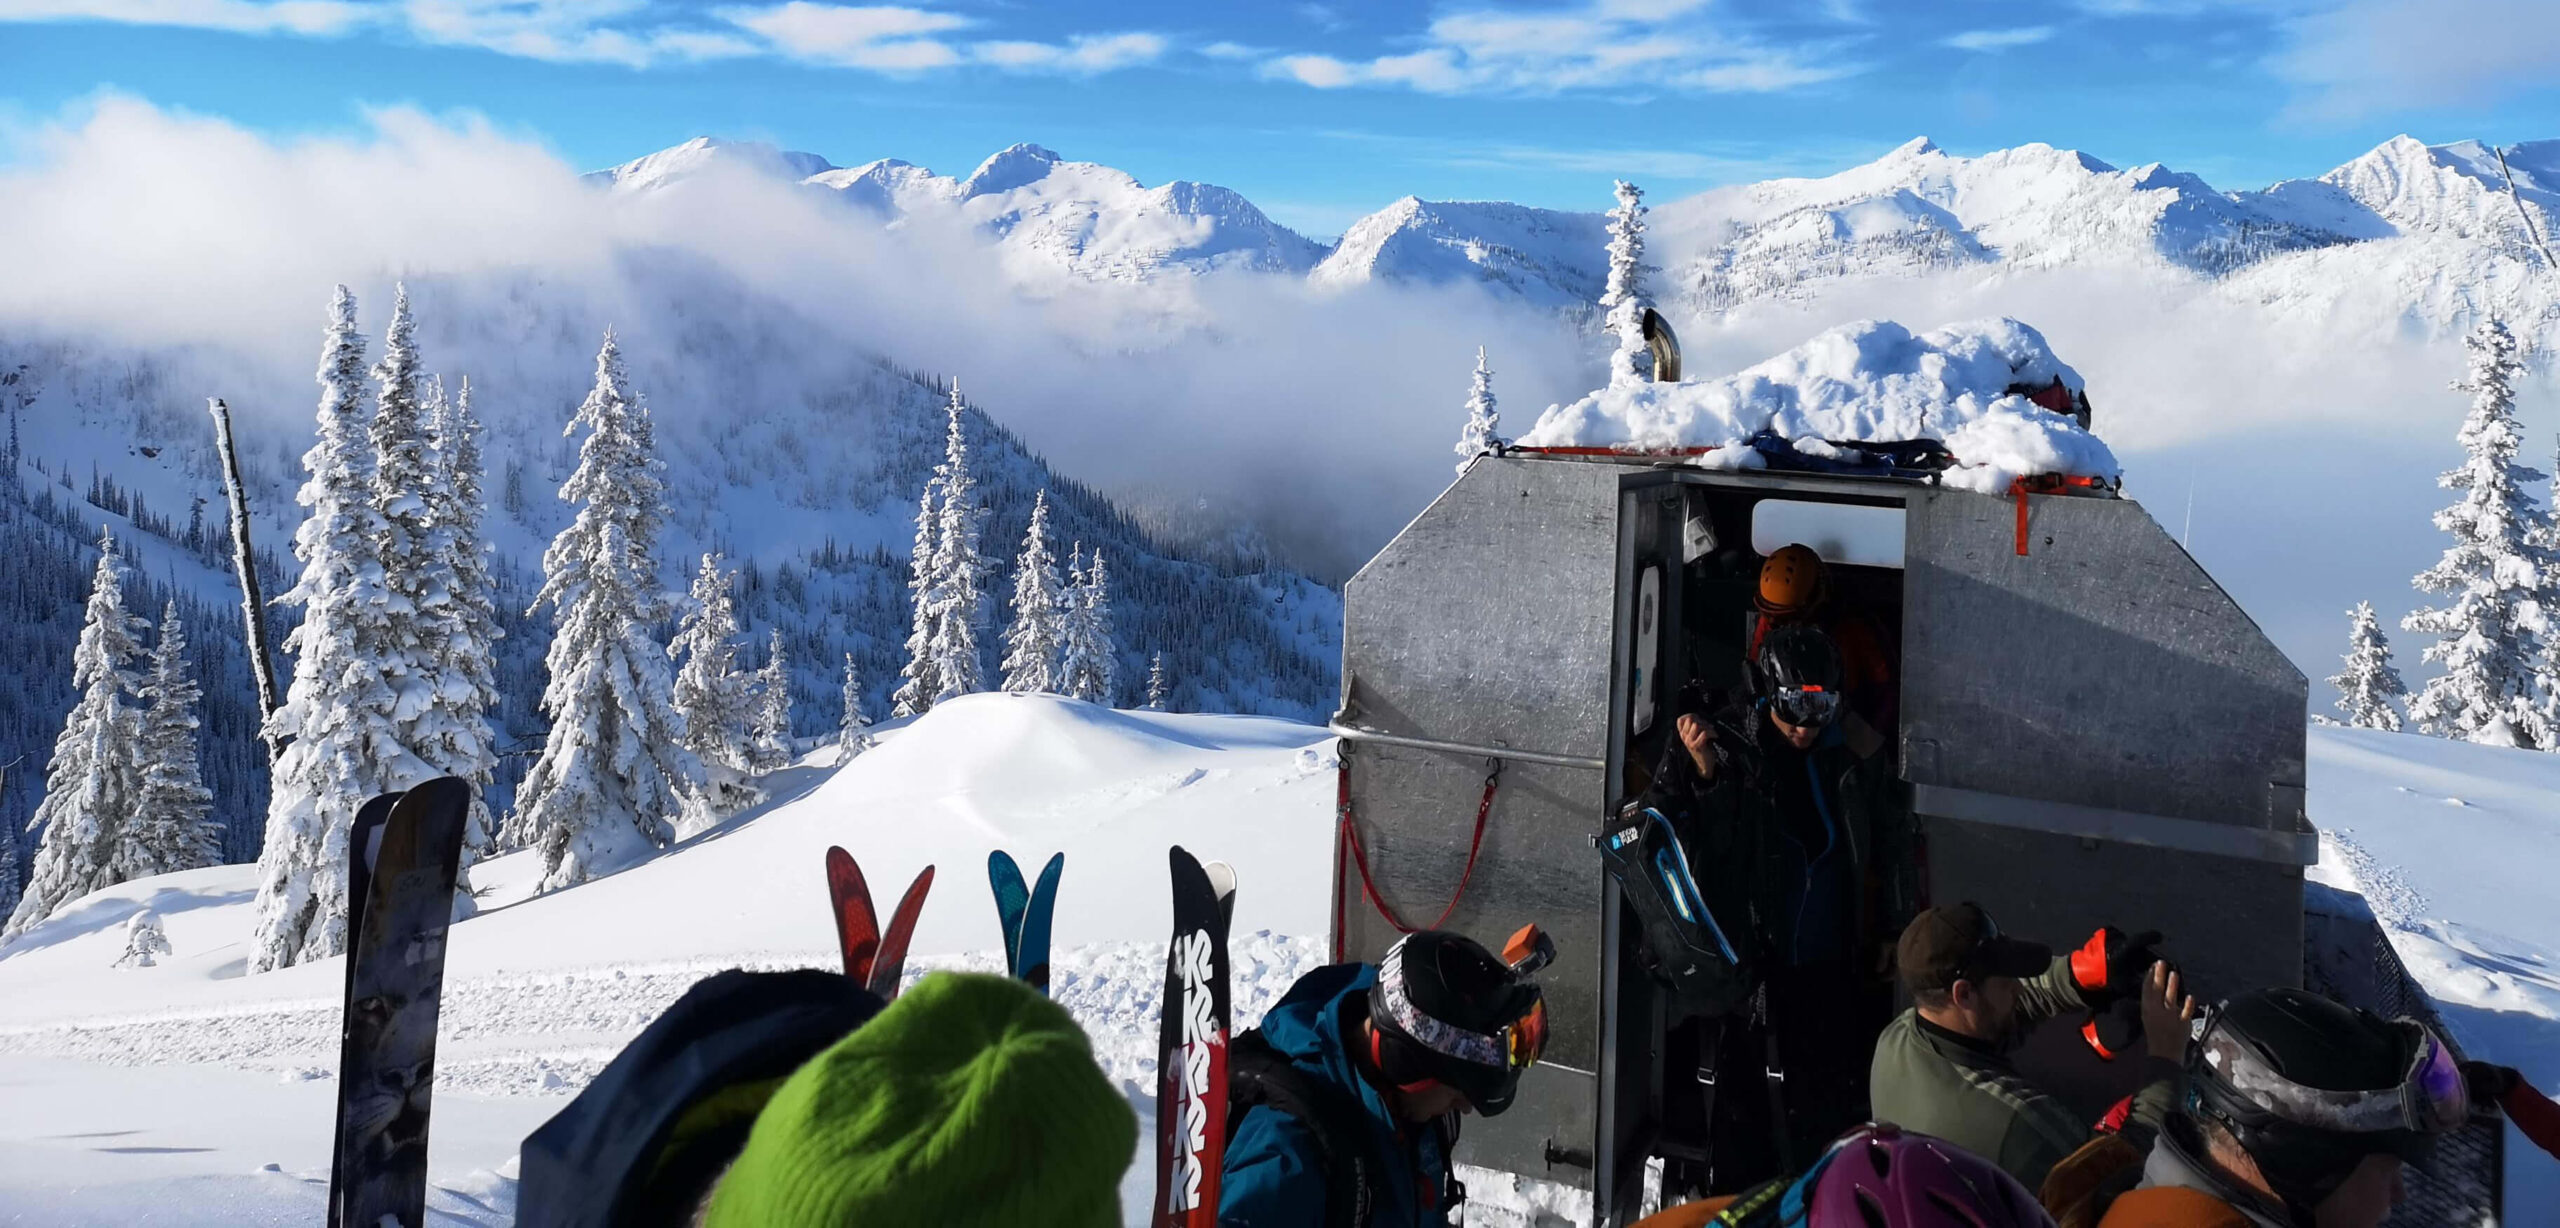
160,1096
1873,380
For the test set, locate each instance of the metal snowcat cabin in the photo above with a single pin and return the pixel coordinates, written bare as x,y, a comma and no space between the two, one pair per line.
2090,729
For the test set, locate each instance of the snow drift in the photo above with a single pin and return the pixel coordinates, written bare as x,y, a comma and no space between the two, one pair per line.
1872,381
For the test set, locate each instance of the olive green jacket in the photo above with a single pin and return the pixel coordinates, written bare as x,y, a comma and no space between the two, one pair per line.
1970,1094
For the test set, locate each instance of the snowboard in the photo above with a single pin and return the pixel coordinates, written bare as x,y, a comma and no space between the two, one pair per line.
857,927
891,963
405,865
1031,948
1191,1047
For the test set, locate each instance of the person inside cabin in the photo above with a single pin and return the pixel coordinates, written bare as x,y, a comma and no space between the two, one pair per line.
1783,798
1796,589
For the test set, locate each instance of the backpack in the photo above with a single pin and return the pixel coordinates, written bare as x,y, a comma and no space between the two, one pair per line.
1684,945
1354,1176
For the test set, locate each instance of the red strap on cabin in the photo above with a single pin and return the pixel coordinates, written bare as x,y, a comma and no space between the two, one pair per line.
1360,855
1607,451
2044,484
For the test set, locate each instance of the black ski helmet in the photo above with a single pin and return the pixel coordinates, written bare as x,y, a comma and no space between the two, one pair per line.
1799,669
2309,1087
1445,1008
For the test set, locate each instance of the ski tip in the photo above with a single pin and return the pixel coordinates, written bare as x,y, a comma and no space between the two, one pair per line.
1222,877
836,856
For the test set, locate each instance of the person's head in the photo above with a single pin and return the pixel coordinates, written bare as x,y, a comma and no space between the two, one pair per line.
1451,1026
1800,676
2319,1105
1962,973
1880,1176
972,1099
1792,582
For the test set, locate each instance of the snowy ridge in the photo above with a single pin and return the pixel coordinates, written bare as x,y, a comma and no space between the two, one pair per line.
706,154
1548,257
1874,381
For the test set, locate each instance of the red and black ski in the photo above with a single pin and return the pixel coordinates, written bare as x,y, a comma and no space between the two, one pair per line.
892,962
1191,1047
403,856
857,927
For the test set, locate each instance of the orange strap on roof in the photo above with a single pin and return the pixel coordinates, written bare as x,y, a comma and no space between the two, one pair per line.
2045,484
1587,451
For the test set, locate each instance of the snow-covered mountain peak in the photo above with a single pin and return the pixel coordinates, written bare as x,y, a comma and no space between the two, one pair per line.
1913,148
702,153
1550,257
2454,189
886,186
1016,166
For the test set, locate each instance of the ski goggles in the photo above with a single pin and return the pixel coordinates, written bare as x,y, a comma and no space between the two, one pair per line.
1515,1046
2430,1098
1805,706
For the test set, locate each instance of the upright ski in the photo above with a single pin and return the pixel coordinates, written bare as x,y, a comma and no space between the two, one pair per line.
891,965
857,927
1031,948
1191,1048
1013,898
406,866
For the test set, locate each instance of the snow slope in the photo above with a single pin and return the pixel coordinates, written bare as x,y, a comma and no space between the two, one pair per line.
139,1091
1547,257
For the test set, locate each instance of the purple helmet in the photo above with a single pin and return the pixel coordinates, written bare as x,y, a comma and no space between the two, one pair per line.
1880,1177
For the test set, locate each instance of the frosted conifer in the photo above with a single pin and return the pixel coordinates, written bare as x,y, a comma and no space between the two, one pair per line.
90,785
461,739
1037,636
959,608
922,680
1090,670
713,695
1478,436
2369,689
341,714
1631,358
143,939
172,814
2497,572
853,735
771,746
1157,691
614,774
8,872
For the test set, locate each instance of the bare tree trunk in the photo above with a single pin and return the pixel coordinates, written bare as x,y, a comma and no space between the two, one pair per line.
253,604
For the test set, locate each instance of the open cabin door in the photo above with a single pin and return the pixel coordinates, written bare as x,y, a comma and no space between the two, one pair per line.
2096,733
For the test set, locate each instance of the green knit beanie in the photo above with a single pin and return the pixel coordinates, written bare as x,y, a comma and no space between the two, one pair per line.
971,1100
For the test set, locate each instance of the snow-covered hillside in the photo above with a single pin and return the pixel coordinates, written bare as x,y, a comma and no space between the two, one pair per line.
188,1084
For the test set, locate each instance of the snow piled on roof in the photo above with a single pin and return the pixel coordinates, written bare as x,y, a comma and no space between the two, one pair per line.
1873,381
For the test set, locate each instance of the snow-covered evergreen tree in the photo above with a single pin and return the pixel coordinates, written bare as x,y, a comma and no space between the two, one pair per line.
2369,688
341,717
853,734
959,611
9,873
922,681
2488,637
1037,637
1479,435
2547,672
714,696
771,745
1157,692
172,814
1090,670
461,739
91,784
614,774
408,489
143,939
1631,358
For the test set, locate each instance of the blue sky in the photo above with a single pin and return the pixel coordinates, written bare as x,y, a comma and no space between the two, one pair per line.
1323,112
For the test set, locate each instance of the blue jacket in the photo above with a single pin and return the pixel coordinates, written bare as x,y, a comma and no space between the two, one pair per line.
1274,1175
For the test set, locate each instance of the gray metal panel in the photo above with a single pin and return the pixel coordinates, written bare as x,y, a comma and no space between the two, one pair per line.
2297,848
2104,668
1487,623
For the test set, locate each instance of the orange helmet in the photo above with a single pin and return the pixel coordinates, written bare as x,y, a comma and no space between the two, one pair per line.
1791,580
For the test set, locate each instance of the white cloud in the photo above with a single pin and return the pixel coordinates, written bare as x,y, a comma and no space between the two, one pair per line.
1083,54
1225,50
308,17
2369,56
2000,40
1593,45
884,38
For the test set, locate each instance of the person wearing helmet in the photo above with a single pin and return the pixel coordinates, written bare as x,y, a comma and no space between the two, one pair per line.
1876,1176
1795,590
2300,1113
1345,1100
1944,1066
1788,806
